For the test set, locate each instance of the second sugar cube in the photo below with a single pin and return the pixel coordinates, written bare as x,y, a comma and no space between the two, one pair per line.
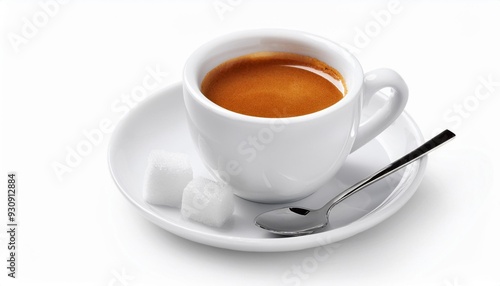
208,202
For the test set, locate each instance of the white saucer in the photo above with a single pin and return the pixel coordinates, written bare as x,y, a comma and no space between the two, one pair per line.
159,123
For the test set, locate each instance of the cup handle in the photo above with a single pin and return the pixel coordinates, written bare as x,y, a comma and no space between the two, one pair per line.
373,82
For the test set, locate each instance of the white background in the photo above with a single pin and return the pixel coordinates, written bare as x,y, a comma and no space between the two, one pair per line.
63,77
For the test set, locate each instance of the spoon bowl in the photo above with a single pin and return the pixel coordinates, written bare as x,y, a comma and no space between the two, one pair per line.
292,222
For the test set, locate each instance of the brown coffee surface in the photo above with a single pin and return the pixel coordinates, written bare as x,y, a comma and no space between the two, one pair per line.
273,84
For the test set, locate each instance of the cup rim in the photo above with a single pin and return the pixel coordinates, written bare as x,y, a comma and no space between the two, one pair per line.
192,63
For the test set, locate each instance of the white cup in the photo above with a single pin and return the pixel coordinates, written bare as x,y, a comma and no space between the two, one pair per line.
277,160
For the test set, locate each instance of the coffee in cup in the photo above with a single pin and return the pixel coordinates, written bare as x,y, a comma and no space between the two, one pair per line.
274,84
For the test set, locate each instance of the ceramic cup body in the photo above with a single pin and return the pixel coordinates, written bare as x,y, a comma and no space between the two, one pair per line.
276,160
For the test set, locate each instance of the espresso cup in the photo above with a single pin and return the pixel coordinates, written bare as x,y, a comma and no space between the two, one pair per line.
278,160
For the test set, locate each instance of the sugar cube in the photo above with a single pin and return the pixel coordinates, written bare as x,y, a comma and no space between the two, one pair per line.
208,202
167,174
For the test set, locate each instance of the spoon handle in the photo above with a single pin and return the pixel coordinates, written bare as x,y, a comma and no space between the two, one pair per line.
425,148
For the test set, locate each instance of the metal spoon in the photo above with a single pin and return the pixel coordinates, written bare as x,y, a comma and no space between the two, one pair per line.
292,221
